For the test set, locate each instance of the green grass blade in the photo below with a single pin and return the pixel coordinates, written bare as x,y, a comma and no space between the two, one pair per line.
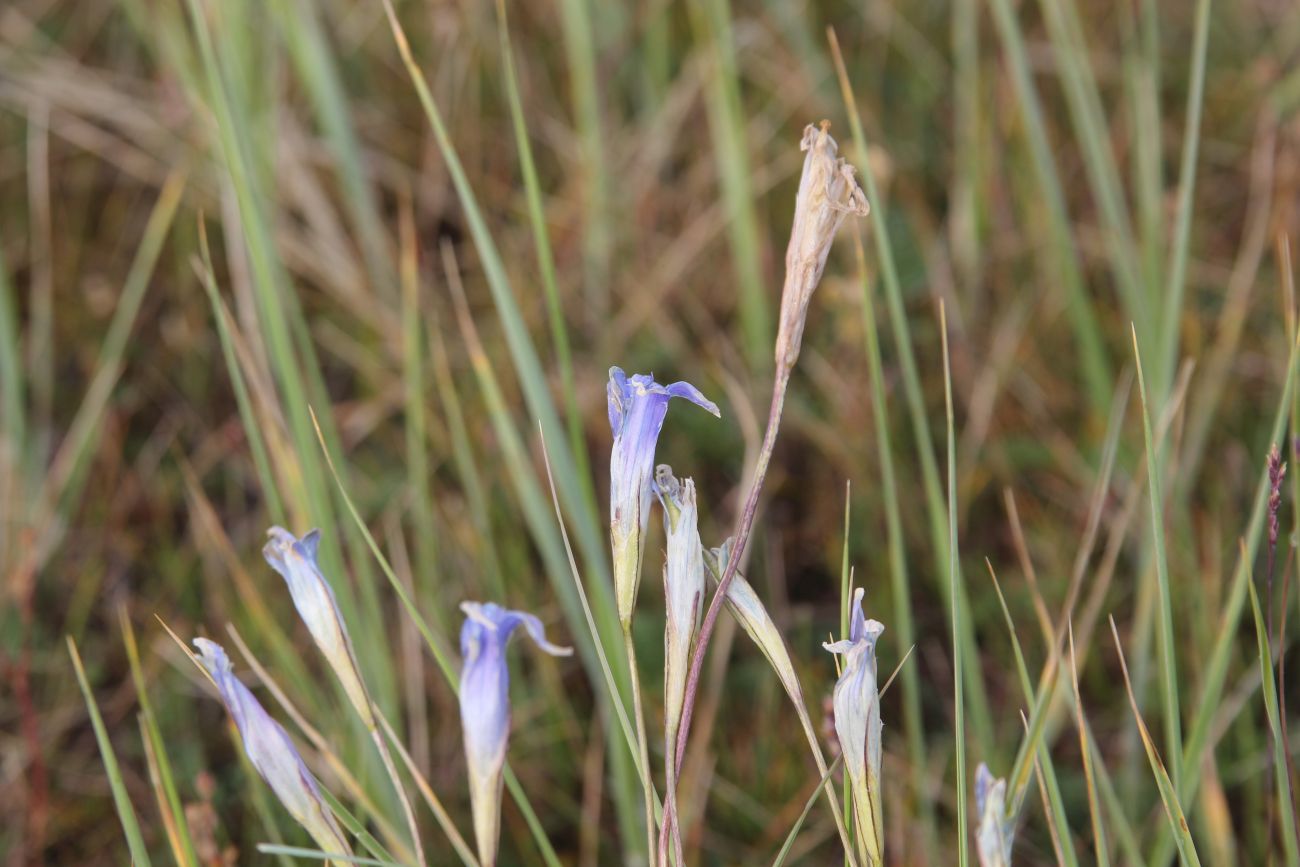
1100,850
1094,137
1285,806
576,18
121,800
318,855
711,23
149,726
542,244
14,424
900,586
1091,346
1033,751
922,441
526,362
1167,653
803,816
964,222
1168,793
247,414
469,469
960,612
423,526
1179,253
437,644
68,472
300,26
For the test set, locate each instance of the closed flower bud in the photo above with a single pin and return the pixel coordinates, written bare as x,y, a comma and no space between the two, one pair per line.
295,560
637,407
683,596
827,194
273,754
485,709
858,725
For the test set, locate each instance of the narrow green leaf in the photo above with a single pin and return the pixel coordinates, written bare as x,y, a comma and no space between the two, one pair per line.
121,800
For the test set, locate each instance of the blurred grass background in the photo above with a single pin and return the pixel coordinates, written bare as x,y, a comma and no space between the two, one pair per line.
217,215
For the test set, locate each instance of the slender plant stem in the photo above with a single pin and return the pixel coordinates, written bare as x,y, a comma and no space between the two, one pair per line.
391,767
643,747
733,562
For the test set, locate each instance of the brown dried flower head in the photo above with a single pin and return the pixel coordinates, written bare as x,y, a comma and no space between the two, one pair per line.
828,192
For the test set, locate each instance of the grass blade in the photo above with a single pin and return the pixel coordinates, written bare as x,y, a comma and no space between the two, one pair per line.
1179,253
121,800
900,586
542,236
1091,347
922,440
317,855
803,816
959,611
1285,806
1168,794
1167,653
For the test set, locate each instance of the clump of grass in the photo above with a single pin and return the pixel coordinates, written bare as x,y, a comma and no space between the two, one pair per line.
305,264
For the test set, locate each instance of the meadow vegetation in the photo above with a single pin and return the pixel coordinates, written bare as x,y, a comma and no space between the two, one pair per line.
367,267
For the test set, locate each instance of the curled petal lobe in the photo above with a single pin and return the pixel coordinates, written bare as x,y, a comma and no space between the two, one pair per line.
272,753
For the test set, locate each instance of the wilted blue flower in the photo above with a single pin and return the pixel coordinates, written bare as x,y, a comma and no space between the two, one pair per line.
295,560
273,754
994,835
858,725
637,407
485,708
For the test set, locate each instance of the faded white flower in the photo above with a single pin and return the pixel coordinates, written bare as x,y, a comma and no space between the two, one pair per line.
858,725
994,835
683,591
828,192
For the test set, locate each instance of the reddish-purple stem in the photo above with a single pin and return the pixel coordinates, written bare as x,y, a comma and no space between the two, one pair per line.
728,572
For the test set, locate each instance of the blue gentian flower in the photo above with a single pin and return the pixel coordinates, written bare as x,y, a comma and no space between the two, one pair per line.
295,560
271,751
637,407
858,725
485,708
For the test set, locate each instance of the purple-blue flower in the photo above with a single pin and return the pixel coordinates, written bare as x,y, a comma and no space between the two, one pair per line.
637,407
271,751
485,708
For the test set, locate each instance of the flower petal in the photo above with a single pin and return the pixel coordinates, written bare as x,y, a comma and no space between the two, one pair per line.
689,392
